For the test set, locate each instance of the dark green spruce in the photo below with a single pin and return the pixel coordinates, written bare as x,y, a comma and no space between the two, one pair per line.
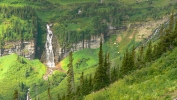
15,95
99,74
101,78
70,79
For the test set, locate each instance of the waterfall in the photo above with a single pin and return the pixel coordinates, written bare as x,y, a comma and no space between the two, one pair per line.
153,34
28,97
49,50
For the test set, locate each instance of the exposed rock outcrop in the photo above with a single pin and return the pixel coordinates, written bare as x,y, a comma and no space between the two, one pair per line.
25,48
93,42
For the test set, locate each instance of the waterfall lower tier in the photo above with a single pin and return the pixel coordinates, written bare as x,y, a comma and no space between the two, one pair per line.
49,49
28,96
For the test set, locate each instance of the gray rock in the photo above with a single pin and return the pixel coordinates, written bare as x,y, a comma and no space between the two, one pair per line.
25,48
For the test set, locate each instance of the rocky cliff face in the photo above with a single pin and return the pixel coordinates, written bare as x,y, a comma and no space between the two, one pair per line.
25,48
93,43
61,51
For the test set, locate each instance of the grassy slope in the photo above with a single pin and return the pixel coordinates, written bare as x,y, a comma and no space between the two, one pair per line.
65,2
156,81
55,14
13,72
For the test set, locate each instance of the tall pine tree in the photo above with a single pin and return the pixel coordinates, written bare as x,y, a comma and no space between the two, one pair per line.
140,59
15,95
70,79
58,96
49,95
148,54
106,69
128,63
114,74
81,92
99,76
124,67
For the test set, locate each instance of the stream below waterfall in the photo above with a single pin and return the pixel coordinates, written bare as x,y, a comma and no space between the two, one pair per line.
28,95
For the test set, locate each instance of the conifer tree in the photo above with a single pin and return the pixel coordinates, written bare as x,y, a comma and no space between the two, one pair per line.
160,47
166,41
78,91
15,95
98,78
124,67
81,84
154,52
131,61
148,53
141,51
106,69
90,83
63,97
114,74
59,98
85,86
128,63
49,95
70,79
140,59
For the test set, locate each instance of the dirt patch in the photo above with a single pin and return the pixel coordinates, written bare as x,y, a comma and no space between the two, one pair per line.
131,36
119,39
50,71
59,67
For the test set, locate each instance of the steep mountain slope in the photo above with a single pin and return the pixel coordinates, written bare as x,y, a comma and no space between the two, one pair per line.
156,81
78,25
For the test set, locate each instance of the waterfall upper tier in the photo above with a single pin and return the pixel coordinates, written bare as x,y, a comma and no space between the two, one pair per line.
49,48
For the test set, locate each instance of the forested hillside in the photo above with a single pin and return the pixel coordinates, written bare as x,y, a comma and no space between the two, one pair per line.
147,74
103,50
17,24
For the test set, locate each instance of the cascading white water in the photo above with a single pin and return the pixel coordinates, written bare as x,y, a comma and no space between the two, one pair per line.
49,49
28,97
153,34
